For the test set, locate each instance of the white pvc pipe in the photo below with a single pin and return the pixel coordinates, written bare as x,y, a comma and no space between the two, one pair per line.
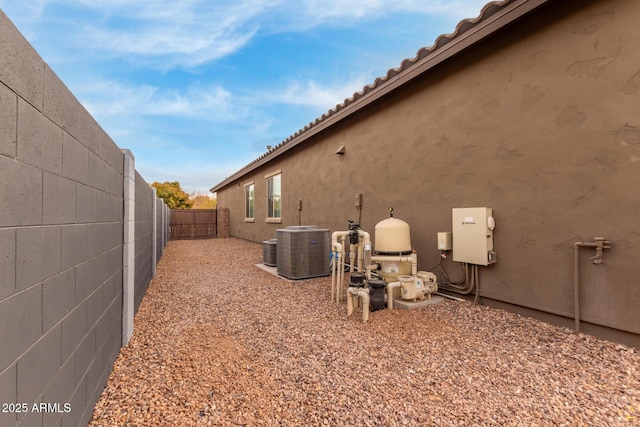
334,268
336,234
356,259
364,239
338,254
413,259
341,272
353,251
349,301
414,264
390,287
364,295
338,263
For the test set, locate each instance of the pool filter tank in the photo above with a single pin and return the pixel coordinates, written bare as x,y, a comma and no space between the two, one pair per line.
393,238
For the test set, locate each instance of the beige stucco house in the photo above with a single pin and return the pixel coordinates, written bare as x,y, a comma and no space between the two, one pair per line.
531,109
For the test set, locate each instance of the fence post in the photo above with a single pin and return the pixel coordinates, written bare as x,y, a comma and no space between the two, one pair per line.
154,234
128,249
164,223
167,225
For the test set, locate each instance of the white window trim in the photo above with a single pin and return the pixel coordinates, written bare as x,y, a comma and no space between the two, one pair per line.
249,219
273,220
274,173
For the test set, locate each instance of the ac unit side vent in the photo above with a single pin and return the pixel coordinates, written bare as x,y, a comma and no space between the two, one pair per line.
269,252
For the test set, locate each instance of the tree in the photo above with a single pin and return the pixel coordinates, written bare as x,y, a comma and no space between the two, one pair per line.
203,201
173,195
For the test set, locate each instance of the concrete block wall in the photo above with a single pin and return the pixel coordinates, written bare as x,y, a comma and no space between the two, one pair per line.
143,238
161,234
61,244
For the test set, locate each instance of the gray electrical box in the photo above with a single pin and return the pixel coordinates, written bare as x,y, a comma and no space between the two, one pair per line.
473,235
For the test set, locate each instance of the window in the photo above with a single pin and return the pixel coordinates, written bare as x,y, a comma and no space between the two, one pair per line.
274,197
249,205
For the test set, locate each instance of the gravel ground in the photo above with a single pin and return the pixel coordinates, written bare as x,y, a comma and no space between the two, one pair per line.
221,342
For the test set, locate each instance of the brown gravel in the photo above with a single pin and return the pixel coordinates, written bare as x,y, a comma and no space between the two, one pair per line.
221,342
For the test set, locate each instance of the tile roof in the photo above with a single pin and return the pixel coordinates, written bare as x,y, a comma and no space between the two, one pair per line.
493,16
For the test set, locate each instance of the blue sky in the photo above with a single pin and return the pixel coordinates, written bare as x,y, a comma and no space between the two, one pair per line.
198,88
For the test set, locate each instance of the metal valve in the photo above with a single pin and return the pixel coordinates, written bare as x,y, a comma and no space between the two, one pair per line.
600,244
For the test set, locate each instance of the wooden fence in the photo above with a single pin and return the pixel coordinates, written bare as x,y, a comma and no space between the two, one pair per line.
193,223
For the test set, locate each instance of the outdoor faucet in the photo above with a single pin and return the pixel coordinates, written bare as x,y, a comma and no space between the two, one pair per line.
600,244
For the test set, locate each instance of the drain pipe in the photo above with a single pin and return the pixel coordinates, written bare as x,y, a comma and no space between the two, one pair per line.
362,293
599,243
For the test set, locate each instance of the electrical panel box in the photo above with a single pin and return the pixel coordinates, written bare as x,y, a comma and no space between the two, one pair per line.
444,241
473,235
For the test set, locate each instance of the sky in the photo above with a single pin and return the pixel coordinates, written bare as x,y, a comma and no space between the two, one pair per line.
197,89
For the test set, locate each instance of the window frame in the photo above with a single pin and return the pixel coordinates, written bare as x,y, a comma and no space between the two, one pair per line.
274,207
249,202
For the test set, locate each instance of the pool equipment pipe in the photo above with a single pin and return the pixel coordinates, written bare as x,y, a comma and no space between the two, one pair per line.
363,294
393,257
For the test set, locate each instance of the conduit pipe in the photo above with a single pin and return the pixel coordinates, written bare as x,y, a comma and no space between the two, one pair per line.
476,281
450,297
363,294
599,243
334,269
469,282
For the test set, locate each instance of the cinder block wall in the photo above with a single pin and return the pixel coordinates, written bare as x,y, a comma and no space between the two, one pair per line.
160,220
61,244
143,238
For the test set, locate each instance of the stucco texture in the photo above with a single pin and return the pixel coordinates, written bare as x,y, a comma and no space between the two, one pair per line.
539,122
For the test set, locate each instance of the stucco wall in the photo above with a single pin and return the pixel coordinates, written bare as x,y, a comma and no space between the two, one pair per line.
539,123
61,245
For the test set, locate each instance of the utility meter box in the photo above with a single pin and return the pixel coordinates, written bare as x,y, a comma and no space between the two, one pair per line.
473,235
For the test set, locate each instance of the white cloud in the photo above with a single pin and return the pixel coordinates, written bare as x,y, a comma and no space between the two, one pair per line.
198,177
313,94
188,33
306,14
185,33
110,98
